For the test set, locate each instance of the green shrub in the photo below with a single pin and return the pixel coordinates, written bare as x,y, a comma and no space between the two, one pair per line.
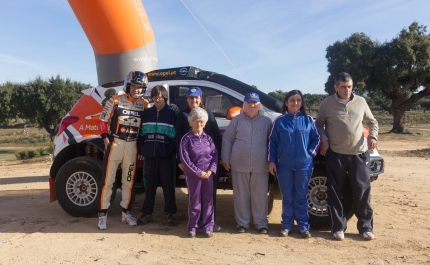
50,148
32,153
42,151
21,155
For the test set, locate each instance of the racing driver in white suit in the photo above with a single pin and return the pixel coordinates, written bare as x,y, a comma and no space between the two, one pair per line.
120,123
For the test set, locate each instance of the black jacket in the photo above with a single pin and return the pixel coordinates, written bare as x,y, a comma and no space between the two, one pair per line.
211,128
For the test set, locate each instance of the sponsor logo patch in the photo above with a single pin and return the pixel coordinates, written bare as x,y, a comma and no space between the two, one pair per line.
183,71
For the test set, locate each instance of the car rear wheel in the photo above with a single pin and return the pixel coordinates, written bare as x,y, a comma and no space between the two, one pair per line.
317,199
274,193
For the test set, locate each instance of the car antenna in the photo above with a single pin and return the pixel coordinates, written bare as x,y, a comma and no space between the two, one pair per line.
214,41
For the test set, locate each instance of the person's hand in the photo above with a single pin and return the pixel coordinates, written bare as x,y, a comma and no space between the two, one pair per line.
272,168
203,175
371,143
181,166
324,146
174,107
208,173
226,165
107,143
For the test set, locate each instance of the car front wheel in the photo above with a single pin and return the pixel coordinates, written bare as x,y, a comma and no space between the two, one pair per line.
77,186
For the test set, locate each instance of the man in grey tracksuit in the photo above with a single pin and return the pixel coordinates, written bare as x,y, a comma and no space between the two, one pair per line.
244,149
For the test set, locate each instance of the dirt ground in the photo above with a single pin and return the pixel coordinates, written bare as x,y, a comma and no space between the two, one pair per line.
34,231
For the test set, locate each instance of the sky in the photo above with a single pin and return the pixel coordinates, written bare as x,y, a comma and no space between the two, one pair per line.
272,44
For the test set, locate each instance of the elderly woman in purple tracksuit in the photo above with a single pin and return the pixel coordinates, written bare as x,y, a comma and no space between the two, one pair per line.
199,156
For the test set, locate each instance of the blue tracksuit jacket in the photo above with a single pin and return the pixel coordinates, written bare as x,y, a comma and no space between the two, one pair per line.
293,141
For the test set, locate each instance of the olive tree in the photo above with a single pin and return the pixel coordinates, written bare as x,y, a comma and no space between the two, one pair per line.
396,71
44,103
5,106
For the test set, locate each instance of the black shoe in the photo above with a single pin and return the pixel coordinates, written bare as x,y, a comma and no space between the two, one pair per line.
144,219
171,220
263,230
305,234
241,229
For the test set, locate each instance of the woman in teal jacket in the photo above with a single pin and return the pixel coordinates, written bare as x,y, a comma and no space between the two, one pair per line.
293,143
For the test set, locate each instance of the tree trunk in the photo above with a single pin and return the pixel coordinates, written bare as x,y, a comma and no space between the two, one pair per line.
398,121
52,134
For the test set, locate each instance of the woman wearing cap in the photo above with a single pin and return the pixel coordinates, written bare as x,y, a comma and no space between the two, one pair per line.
194,100
244,151
293,143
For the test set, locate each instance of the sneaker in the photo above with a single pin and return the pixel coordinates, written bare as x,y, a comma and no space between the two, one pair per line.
217,228
128,219
339,235
144,219
263,230
171,220
208,234
241,229
284,232
192,234
305,234
368,235
102,222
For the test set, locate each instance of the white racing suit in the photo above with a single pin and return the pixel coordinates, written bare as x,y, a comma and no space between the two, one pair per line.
120,121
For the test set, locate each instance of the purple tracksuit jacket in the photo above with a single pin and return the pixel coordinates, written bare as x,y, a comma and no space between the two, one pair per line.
198,154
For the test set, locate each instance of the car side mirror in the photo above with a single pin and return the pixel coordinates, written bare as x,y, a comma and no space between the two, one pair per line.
233,111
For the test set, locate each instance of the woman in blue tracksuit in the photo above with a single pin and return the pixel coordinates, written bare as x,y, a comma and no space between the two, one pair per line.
293,143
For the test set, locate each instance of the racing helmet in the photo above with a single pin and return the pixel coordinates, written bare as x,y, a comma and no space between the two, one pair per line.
136,78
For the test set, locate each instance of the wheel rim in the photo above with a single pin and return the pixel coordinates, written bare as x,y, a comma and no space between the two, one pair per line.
81,188
317,197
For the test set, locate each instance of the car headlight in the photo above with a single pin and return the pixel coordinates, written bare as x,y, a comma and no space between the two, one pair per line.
376,166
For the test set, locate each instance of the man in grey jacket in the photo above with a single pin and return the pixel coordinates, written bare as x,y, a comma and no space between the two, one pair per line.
339,122
244,151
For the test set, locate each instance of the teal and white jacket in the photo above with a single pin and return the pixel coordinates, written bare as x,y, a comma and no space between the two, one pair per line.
157,136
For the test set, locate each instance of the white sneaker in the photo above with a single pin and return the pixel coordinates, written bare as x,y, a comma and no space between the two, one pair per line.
339,235
128,219
368,235
102,222
217,228
284,232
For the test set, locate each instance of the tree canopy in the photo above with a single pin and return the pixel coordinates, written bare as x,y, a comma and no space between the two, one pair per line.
395,73
278,94
310,100
40,102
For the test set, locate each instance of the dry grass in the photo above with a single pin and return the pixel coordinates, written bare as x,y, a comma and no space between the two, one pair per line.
21,136
16,138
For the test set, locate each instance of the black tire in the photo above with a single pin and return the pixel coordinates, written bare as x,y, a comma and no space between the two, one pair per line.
274,193
78,184
317,199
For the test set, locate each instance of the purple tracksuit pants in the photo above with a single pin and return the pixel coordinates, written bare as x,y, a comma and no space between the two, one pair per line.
200,204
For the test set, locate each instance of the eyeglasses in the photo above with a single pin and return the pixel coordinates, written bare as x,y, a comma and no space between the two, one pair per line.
157,98
199,121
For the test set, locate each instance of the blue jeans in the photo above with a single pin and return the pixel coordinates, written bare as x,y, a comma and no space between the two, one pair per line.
294,188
